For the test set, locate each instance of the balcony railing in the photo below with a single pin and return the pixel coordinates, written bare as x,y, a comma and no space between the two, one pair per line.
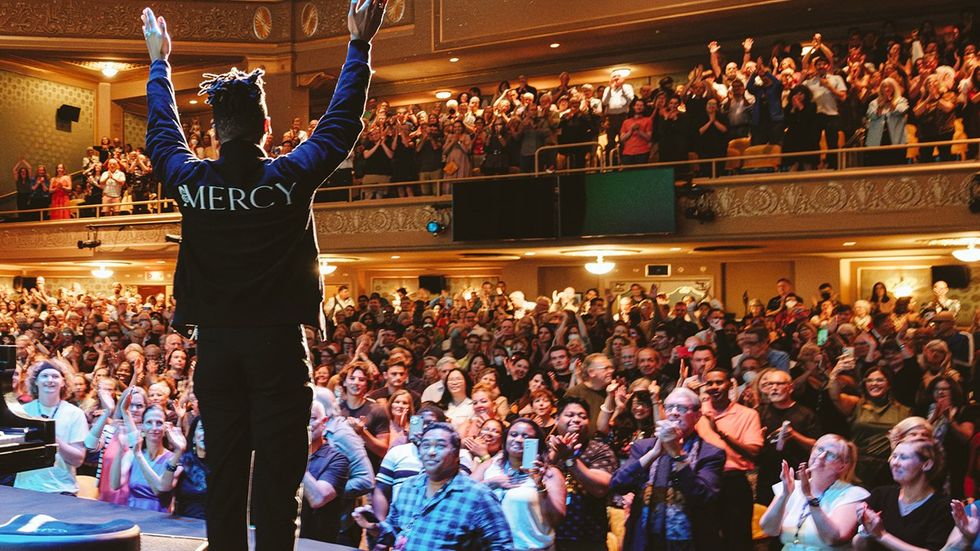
771,160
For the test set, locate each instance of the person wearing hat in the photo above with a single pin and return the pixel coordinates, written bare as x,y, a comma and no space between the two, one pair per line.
47,383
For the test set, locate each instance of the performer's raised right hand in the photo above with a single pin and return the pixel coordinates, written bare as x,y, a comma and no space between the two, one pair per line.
365,18
157,37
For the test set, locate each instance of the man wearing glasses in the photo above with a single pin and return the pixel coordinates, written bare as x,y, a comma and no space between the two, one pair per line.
676,478
790,429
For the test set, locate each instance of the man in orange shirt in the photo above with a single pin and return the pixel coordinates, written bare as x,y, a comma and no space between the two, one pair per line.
737,430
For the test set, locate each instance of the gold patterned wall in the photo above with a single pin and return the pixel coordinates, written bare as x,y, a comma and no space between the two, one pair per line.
32,131
134,130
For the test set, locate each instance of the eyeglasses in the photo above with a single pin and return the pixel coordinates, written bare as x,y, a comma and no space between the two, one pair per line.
679,408
830,455
768,384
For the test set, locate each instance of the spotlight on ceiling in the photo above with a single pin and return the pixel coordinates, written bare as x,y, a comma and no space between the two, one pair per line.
172,238
600,266
435,227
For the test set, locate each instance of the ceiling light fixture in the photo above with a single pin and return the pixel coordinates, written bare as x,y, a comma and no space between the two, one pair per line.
193,102
554,45
102,272
621,71
600,266
327,268
110,70
444,94
969,254
850,243
530,253
395,257
453,59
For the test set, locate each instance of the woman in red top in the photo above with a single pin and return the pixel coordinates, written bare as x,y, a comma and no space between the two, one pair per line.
60,190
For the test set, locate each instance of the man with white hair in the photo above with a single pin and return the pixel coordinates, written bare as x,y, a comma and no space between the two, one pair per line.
676,477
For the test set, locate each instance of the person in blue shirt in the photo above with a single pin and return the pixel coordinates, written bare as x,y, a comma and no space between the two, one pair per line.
248,239
441,509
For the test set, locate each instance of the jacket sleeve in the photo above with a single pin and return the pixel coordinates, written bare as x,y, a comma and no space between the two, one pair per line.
336,133
173,162
631,476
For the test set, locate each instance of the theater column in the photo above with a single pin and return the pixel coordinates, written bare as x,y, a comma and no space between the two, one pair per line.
284,99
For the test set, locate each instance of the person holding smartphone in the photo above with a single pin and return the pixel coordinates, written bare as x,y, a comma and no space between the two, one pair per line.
531,493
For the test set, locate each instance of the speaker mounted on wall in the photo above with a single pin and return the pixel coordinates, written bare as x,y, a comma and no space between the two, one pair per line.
66,115
432,283
957,276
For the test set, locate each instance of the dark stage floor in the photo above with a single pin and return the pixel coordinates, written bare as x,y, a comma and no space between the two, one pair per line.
174,533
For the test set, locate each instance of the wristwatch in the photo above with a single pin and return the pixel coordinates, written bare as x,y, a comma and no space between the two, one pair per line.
569,462
813,502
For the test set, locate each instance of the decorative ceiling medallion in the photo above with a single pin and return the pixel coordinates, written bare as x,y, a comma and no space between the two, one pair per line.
309,19
395,11
262,23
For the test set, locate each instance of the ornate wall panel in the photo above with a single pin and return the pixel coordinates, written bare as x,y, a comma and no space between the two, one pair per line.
32,131
187,20
134,129
315,19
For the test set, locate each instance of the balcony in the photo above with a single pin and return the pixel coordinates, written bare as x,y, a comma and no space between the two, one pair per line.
930,198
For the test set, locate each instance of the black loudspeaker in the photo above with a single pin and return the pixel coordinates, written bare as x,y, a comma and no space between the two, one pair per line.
68,113
956,276
432,283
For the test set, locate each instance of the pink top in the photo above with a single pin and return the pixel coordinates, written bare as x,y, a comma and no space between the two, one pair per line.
738,423
110,452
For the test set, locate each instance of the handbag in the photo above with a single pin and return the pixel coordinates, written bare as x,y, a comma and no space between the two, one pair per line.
450,168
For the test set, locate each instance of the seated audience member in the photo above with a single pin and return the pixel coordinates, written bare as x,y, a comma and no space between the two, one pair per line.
441,508
676,479
46,381
815,506
915,512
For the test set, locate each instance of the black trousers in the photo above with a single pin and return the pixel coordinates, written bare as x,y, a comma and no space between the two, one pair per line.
735,505
252,385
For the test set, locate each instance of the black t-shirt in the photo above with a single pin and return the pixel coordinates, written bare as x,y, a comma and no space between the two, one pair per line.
804,421
378,162
906,382
323,524
928,525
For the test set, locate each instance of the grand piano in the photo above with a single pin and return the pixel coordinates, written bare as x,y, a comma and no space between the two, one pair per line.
25,444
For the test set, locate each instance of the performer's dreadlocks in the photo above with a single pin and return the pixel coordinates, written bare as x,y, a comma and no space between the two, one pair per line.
238,101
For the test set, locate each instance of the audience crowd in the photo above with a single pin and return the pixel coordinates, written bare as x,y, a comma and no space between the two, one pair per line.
874,87
654,425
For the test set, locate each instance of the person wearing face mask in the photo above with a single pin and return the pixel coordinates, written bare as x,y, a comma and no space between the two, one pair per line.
737,430
871,416
714,335
676,477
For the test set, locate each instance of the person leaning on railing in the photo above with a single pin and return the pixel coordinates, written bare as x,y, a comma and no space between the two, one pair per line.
887,115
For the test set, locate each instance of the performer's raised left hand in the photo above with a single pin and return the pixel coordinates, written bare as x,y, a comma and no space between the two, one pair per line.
157,37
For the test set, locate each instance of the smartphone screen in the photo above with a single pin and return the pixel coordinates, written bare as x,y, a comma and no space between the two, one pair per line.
415,426
530,453
822,336
848,351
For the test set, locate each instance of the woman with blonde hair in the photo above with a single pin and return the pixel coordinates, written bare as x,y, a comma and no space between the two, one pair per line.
887,115
818,511
914,513
910,427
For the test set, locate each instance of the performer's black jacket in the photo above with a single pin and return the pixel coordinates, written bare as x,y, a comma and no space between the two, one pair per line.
248,256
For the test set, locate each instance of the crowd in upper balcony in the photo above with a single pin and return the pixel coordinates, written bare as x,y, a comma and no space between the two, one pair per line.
873,87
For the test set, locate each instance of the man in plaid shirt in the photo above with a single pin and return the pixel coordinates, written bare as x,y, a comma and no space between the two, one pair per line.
441,509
